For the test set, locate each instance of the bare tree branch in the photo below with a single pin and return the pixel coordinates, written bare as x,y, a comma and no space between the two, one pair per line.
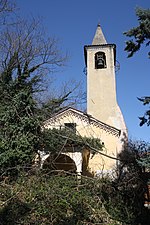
27,52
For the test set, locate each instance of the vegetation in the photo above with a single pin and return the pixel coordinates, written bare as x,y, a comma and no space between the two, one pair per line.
55,140
68,199
29,196
26,57
130,184
140,35
57,200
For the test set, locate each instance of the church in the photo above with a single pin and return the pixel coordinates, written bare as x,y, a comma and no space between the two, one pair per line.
103,118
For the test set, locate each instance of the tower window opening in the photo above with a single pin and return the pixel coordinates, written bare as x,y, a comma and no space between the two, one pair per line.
100,60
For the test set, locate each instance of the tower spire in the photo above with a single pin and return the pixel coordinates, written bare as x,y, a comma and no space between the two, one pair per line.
99,38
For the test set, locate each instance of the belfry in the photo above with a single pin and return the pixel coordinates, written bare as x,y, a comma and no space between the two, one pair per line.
100,60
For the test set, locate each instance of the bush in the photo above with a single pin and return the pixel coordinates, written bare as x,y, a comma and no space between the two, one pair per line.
43,199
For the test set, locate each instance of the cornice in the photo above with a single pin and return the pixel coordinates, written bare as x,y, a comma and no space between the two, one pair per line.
83,117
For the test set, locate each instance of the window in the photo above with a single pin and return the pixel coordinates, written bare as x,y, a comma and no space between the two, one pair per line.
100,60
71,126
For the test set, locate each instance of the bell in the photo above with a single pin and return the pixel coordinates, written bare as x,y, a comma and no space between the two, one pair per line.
100,62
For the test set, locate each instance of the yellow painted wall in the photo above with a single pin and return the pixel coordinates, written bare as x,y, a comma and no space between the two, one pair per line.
112,143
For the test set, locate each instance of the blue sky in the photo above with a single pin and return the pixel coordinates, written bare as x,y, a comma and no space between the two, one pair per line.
74,23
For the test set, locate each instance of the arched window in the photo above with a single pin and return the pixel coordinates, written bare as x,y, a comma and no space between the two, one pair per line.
100,60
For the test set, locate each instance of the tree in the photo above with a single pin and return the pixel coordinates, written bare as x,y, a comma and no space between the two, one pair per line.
7,12
26,57
140,35
124,196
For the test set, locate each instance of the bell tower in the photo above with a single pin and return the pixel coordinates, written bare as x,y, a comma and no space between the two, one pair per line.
100,59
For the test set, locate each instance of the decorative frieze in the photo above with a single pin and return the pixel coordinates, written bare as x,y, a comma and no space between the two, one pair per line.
89,120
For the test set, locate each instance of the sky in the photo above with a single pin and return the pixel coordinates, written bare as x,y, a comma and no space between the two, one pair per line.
74,23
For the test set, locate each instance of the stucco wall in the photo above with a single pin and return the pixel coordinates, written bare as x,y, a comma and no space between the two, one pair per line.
112,142
101,86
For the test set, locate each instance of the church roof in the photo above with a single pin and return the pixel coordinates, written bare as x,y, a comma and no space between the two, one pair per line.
99,38
84,117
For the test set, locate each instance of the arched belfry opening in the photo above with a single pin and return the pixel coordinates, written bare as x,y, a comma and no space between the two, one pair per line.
100,60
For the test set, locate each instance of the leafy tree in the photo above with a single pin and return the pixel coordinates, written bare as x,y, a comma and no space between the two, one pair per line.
146,118
26,56
138,164
124,196
140,34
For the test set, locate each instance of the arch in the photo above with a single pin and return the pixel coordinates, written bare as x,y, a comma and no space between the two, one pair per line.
60,162
63,162
100,60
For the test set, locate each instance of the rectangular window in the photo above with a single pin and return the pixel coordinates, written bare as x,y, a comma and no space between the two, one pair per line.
71,126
